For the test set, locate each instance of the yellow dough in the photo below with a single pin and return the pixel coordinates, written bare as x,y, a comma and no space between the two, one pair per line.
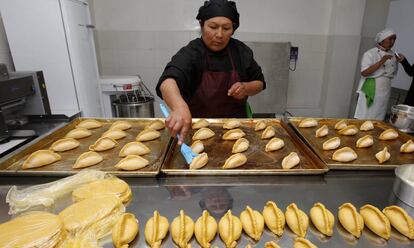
230,229
376,221
132,162
203,133
252,223
407,147
205,229
345,154
87,159
271,244
230,124
156,229
198,162
350,219
125,230
156,125
240,145
33,229
233,134
308,122
134,148
303,243
121,125
108,186
331,144
98,215
200,124
322,131
366,126
349,130
365,141
182,230
389,134
197,146
322,218
290,160
383,155
115,134
274,218
400,220
297,220
274,144
148,134
78,133
65,144
260,125
268,133
341,124
103,144
89,124
41,158
235,160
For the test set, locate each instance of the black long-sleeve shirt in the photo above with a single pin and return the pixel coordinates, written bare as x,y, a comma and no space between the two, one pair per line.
409,69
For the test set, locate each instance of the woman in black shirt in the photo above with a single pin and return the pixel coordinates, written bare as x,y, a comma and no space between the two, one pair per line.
409,69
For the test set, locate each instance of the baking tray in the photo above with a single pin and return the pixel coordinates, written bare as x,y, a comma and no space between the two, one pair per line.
259,162
366,156
12,165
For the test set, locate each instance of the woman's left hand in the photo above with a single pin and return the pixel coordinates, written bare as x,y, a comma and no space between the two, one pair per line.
238,91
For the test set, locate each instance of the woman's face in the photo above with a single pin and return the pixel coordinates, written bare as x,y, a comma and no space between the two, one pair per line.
388,42
216,33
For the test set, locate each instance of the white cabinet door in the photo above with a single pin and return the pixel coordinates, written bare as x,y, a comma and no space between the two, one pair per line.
79,33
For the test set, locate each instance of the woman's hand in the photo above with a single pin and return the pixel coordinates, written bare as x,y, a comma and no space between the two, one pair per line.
238,91
386,57
179,122
400,57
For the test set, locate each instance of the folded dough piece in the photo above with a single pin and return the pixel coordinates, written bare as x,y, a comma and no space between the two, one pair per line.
103,144
235,160
271,244
365,141
350,219
376,221
260,125
41,158
156,229
303,243
400,220
345,154
274,144
134,148
89,124
308,122
233,134
78,133
331,144
230,229
389,134
87,159
115,134
197,146
156,124
203,133
125,230
182,230
297,220
205,229
232,123
274,218
132,162
290,160
199,161
383,155
240,145
200,124
109,186
65,144
148,134
349,130
252,223
407,147
366,126
322,131
268,133
322,218
121,125
341,124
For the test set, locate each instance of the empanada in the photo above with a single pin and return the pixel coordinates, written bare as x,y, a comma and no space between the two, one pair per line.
331,144
407,147
322,218
350,219
121,125
156,229
205,229
235,160
233,134
322,131
230,229
182,230
345,154
41,158
271,244
108,186
274,218
230,124
87,159
240,145
376,221
383,155
89,124
156,125
274,144
200,124
252,223
290,160
308,122
349,130
203,133
115,134
197,146
65,144
389,134
134,148
341,124
297,220
148,134
103,144
365,141
125,230
199,161
260,125
78,133
268,133
303,243
132,162
400,220
366,126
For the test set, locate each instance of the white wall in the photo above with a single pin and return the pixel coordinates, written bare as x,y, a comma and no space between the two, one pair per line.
5,55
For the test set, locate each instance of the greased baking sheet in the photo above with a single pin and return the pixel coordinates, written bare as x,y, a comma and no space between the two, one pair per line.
13,165
366,156
259,162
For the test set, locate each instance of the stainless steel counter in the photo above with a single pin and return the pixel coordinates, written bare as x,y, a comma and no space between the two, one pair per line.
217,194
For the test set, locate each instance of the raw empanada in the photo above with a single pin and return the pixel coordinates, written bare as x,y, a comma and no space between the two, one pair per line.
156,229
87,159
366,126
376,221
303,243
108,186
199,161
230,229
132,162
233,134
252,223
200,124
400,220
365,141
274,144
65,144
407,147
388,134
345,154
331,144
322,131
297,220
134,148
156,125
260,125
271,244
121,125
274,218
322,218
268,133
103,144
197,146
240,145
235,160
115,134
41,158
290,160
230,124
78,133
182,230
383,155
350,219
125,230
148,134
205,229
203,133
341,124
349,130
89,124
308,122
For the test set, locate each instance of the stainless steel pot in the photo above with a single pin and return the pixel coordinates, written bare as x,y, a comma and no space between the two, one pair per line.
402,117
404,183
140,108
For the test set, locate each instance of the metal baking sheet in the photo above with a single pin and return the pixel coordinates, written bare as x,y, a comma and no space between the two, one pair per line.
12,165
259,162
366,156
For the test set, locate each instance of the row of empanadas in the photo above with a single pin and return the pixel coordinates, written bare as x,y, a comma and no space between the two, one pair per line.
203,133
232,123
65,144
125,230
148,134
199,161
233,134
200,124
240,145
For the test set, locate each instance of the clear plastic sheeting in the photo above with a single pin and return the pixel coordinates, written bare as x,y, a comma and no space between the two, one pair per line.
46,194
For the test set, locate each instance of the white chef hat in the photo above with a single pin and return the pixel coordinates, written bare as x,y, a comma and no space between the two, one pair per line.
382,35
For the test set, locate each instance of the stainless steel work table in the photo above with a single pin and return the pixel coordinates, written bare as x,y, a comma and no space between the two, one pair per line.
193,194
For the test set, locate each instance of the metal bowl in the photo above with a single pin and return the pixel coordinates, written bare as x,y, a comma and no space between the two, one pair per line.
402,117
404,184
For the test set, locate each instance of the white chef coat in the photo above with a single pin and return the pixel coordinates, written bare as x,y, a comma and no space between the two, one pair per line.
383,77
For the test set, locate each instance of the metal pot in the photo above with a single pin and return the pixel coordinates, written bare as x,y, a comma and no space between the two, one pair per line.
140,108
402,117
404,183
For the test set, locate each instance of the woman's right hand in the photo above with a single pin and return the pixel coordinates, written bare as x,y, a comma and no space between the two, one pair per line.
179,122
386,57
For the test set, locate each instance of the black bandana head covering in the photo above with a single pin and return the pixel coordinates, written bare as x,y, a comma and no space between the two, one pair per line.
214,8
